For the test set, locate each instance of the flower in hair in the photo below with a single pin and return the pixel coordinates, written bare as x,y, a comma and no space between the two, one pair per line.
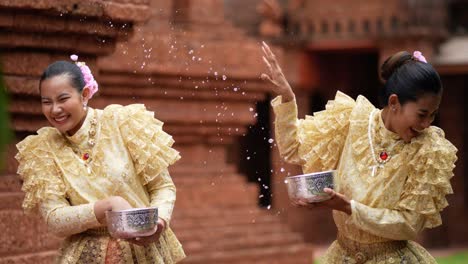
418,56
87,75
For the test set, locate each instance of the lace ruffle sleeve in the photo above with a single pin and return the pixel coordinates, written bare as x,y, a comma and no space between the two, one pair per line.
150,147
315,142
429,178
37,169
323,135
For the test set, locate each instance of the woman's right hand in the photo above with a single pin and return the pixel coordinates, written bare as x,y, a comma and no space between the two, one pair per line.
112,203
276,76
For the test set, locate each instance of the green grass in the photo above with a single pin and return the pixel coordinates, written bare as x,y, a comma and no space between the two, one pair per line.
457,258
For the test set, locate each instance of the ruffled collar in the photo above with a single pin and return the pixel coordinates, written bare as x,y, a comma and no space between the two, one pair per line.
383,131
80,138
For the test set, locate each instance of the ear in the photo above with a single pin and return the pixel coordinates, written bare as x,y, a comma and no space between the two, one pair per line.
393,102
85,95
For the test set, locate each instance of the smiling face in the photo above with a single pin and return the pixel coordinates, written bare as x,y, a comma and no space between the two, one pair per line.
410,119
62,104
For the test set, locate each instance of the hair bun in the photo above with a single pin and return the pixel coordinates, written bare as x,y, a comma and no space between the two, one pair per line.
392,63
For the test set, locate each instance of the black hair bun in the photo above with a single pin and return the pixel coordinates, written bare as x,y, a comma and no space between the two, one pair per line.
392,63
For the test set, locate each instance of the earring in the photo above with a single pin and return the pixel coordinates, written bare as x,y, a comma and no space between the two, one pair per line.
85,106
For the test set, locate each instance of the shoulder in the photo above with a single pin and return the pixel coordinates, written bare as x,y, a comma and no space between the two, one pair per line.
432,157
44,137
433,142
362,110
122,113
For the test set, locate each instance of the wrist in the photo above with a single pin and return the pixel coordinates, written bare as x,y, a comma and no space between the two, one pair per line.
288,97
100,208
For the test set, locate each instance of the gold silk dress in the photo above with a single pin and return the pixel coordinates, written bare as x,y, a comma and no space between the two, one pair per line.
130,158
390,203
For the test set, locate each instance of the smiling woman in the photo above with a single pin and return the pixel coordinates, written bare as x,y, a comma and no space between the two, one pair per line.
393,168
92,161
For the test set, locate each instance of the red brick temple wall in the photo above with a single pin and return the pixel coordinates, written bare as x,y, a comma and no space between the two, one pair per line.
197,72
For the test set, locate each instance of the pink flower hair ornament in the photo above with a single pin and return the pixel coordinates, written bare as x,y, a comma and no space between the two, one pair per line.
417,55
87,75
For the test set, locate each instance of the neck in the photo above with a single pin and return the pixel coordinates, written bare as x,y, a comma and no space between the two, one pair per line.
386,117
79,125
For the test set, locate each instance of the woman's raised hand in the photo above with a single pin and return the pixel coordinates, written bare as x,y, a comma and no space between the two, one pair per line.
275,75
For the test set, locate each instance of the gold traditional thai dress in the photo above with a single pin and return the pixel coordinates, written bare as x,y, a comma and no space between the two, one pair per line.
128,155
391,202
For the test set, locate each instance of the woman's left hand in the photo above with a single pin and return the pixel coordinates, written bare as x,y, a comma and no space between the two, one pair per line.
144,241
337,202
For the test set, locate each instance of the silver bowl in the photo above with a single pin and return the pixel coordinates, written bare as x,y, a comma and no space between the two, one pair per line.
135,222
310,186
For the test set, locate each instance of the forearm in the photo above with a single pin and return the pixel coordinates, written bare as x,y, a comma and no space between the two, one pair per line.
391,224
163,195
286,130
68,220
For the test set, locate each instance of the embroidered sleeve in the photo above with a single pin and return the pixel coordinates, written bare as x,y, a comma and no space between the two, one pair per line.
428,182
45,191
316,141
65,220
163,195
149,146
391,224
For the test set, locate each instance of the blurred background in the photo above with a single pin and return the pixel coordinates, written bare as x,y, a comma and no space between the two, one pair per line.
196,64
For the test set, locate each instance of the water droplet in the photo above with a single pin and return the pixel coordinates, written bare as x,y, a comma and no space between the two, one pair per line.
271,140
191,51
251,109
269,207
216,73
224,77
248,158
282,169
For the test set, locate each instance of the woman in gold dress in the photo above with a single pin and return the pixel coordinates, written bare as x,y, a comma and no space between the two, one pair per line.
91,161
393,167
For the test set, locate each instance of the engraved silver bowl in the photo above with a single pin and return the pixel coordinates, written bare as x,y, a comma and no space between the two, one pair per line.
310,186
135,222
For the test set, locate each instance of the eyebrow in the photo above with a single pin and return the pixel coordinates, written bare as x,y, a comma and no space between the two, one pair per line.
426,111
60,95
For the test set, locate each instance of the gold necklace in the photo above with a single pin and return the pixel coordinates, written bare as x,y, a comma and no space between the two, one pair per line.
86,156
384,156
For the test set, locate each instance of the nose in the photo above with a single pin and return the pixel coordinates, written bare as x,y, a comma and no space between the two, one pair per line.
427,123
56,109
